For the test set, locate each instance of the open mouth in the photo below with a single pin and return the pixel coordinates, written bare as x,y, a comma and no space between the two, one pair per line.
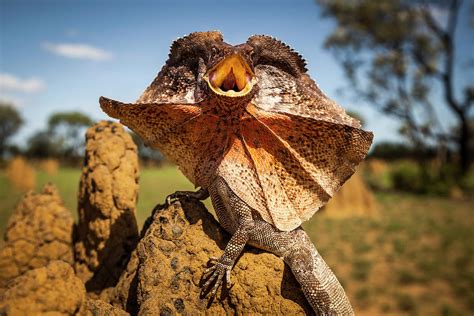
231,77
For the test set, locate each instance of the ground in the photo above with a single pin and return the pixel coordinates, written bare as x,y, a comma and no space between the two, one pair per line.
416,258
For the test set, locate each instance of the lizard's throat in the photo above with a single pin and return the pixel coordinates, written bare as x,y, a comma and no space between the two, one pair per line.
232,77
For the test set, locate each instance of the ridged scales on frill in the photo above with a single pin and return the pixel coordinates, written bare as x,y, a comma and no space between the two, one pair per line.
181,132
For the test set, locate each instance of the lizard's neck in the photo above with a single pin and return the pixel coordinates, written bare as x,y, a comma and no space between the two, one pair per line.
230,110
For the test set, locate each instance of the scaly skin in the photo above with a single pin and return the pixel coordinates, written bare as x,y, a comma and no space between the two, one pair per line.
248,125
319,284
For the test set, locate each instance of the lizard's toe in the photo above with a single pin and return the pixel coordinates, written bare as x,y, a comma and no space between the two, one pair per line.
216,275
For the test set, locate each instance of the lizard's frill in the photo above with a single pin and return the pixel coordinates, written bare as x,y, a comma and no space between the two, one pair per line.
179,131
287,166
111,107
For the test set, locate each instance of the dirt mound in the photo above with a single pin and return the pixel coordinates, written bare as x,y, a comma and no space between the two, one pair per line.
51,289
50,166
165,271
377,166
38,231
21,174
107,231
100,308
353,199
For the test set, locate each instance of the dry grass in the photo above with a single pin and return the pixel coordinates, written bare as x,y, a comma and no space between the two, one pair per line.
21,174
415,258
50,166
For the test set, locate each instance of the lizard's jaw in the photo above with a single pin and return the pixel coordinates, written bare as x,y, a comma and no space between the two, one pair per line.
231,77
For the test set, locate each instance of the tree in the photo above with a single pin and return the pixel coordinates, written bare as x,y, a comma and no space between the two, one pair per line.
66,130
392,151
42,145
10,123
405,54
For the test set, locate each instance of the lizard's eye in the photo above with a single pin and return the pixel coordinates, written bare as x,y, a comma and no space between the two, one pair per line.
231,77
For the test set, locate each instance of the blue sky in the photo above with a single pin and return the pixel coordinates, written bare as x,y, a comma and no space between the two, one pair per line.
62,55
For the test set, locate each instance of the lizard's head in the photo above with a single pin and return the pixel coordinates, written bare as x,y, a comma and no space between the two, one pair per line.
202,66
220,69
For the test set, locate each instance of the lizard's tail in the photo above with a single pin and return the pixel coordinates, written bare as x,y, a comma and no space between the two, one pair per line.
319,284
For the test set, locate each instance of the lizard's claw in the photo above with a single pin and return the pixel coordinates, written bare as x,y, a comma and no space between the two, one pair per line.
201,194
220,268
176,196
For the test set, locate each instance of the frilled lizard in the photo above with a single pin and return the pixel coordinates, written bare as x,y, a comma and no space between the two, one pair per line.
248,126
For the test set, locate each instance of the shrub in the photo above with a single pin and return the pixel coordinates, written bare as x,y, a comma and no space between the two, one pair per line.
406,176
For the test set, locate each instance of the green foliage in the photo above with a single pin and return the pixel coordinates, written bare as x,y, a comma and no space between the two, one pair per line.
63,139
42,145
10,123
467,181
69,119
395,151
397,55
413,177
406,176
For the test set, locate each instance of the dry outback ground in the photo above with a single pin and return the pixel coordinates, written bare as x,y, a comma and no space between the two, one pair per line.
414,256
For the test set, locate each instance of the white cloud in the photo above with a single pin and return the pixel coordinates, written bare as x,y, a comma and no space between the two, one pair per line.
78,51
11,83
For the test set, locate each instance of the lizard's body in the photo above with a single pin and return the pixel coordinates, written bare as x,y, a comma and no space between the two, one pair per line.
319,284
248,125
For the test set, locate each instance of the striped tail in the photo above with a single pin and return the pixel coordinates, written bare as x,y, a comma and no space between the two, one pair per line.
319,284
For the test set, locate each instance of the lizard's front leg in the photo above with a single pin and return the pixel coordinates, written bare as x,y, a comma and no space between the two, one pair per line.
223,265
200,195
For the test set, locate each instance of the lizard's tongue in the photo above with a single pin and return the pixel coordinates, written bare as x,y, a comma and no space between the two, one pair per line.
229,81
